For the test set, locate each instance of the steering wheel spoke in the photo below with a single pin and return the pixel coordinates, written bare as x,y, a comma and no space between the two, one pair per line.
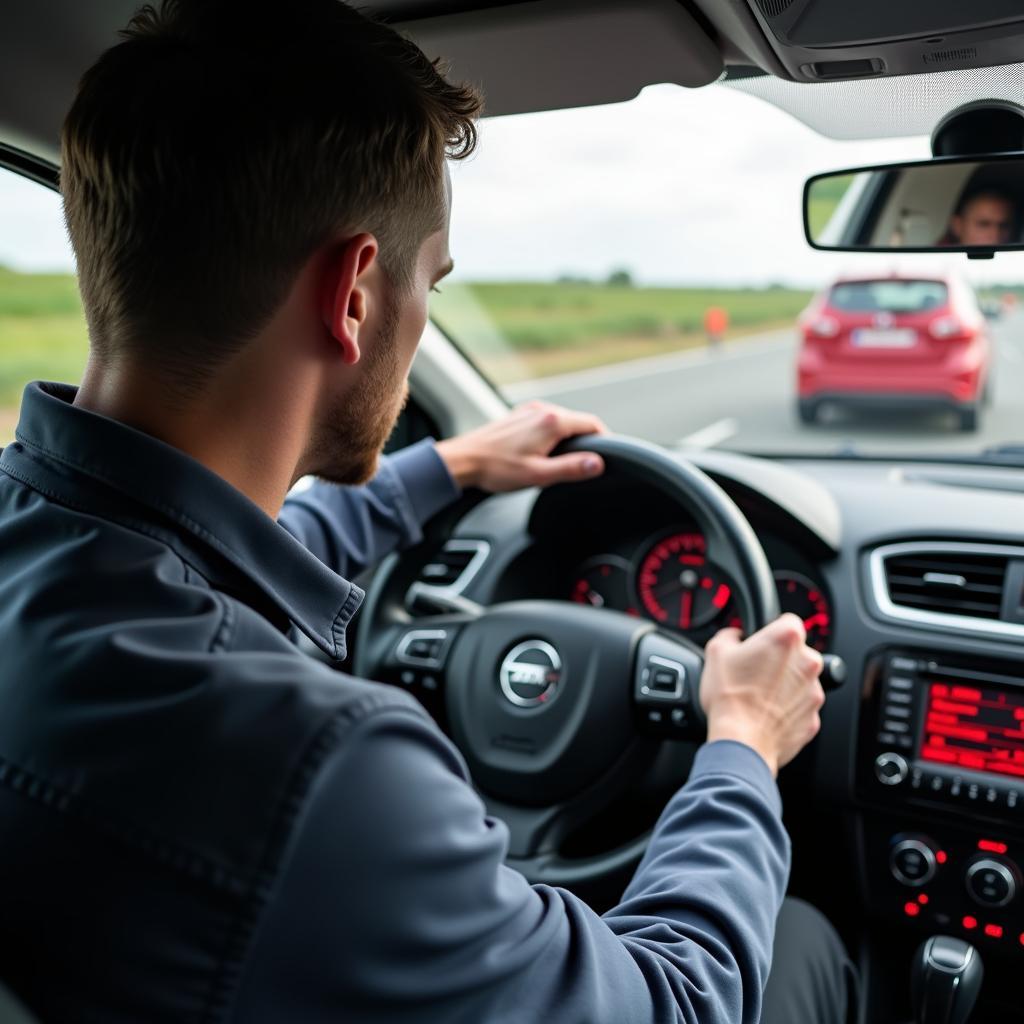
666,687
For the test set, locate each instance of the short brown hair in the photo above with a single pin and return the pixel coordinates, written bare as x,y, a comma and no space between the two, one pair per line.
209,154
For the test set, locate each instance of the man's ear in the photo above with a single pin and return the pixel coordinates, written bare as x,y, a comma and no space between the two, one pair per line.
344,298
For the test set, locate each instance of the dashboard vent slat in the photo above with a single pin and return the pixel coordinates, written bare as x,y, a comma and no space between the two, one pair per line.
953,583
450,570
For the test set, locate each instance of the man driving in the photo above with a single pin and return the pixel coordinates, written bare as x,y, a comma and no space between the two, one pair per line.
982,217
200,821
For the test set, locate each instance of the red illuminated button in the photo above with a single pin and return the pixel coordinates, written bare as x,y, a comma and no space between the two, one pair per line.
994,931
991,846
970,923
911,909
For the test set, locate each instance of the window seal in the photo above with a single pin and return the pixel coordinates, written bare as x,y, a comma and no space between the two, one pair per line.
35,168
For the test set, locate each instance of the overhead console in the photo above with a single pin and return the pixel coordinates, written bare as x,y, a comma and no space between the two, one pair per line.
823,40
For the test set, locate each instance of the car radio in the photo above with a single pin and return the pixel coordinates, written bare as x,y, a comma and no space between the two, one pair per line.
946,731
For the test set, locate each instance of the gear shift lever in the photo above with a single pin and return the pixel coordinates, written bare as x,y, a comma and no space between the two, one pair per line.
945,980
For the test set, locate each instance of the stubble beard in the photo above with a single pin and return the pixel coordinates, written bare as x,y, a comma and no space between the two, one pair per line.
352,435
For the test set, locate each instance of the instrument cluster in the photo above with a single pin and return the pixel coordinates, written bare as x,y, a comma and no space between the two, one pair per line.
671,580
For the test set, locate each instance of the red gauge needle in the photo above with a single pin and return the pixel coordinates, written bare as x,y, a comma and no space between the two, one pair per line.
686,610
821,619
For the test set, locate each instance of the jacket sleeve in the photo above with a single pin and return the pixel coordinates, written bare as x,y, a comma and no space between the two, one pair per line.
352,528
394,903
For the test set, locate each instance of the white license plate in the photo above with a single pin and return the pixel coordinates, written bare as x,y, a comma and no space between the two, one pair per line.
874,337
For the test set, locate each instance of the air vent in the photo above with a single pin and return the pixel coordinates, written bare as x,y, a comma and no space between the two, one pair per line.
964,53
953,583
773,8
949,585
451,569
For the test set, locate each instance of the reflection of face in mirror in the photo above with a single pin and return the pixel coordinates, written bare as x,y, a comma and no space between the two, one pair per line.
984,217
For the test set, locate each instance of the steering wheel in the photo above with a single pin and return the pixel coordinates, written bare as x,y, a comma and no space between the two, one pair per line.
554,704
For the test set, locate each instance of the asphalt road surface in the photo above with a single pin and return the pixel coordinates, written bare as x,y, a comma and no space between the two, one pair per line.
744,398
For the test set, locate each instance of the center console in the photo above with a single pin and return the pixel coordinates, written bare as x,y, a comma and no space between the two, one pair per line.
941,774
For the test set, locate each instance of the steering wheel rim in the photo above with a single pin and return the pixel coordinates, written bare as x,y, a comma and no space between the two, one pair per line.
537,829
689,486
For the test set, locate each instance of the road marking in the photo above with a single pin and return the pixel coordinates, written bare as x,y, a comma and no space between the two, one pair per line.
636,369
711,435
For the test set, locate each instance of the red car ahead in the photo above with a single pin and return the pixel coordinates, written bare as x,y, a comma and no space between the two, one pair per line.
895,342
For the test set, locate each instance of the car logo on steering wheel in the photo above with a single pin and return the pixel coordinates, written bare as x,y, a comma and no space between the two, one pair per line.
530,673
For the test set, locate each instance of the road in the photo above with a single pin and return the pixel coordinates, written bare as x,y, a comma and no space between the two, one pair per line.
743,398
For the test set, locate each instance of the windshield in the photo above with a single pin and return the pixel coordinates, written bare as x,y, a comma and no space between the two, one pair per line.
887,296
646,261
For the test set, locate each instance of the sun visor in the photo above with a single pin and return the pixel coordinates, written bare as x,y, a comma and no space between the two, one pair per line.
822,40
552,55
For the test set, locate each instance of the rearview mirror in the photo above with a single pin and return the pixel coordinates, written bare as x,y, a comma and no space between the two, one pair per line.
944,205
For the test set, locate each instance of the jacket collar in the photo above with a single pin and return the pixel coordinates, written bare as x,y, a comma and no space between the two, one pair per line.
102,454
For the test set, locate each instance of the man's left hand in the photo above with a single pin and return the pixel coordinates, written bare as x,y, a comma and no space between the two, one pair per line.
515,451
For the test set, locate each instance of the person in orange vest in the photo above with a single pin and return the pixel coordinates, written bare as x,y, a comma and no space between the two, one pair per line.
716,321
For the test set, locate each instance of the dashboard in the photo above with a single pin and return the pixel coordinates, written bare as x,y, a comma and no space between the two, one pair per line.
913,793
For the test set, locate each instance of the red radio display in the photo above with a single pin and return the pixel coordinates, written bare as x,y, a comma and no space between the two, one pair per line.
975,728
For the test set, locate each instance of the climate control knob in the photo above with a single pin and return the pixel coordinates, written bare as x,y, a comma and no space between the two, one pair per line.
991,882
912,862
890,768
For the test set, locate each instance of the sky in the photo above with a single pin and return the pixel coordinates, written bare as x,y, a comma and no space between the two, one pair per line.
678,186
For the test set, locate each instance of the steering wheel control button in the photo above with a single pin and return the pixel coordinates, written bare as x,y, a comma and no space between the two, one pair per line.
991,883
530,674
663,679
424,648
891,768
912,862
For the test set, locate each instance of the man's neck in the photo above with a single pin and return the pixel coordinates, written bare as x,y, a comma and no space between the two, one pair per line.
237,427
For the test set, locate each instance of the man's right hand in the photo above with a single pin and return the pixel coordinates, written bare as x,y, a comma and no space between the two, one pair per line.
763,691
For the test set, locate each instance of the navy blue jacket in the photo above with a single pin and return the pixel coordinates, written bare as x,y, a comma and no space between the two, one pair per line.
200,823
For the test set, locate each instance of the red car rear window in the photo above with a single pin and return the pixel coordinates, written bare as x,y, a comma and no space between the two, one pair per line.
888,296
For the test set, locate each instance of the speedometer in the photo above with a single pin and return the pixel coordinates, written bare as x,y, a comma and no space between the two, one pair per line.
680,588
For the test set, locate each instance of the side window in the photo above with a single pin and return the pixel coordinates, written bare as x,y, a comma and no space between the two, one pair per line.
42,328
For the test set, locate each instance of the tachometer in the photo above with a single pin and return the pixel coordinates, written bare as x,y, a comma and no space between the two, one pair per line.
680,588
603,582
803,597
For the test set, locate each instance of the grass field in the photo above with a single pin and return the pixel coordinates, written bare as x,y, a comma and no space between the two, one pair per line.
514,330
521,330
825,196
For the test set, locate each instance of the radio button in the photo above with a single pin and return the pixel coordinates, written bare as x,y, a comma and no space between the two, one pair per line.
900,683
1013,799
898,698
890,769
896,726
903,664
990,883
912,862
